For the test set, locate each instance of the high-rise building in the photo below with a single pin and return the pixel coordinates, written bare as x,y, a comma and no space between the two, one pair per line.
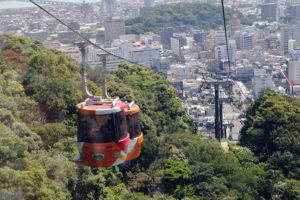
295,32
109,5
294,68
181,28
269,10
292,45
232,50
219,36
114,27
161,64
200,36
175,45
262,82
165,37
177,41
246,41
221,51
148,3
294,10
285,37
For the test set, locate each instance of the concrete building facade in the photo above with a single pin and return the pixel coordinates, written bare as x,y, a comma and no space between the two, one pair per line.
294,68
114,27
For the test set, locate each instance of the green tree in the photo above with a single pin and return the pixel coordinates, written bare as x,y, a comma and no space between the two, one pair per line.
271,131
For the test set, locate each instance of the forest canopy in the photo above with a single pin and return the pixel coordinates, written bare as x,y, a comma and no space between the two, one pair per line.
204,16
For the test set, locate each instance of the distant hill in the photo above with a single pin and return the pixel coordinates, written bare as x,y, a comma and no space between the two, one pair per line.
203,16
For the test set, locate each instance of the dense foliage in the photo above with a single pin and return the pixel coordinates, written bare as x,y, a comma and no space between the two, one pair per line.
272,132
38,92
204,16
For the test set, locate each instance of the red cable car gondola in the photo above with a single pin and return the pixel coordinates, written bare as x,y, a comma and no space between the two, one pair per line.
103,139
134,129
102,133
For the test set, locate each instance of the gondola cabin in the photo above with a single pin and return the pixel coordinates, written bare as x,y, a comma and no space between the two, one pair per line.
102,137
133,126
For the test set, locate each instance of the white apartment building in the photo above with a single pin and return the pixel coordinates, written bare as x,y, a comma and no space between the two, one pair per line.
175,45
144,54
260,82
119,48
294,68
221,51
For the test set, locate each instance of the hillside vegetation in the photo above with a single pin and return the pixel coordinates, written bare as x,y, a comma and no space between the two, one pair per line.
38,92
204,16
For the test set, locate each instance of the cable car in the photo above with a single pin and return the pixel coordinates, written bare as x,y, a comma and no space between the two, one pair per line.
102,137
134,129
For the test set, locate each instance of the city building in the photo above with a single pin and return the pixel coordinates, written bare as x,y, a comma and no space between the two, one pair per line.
175,45
293,9
114,27
165,37
148,3
74,25
294,68
262,82
295,32
181,71
292,45
219,36
269,10
221,51
200,36
285,37
119,48
161,64
244,40
177,41
144,53
39,35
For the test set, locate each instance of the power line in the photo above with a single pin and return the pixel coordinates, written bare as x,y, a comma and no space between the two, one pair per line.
225,30
83,37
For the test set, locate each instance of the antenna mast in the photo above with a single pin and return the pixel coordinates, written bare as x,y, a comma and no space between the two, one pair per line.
234,12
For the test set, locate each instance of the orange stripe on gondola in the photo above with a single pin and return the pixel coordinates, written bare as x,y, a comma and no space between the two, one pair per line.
132,111
85,110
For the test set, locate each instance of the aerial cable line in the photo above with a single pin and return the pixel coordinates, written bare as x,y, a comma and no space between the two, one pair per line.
225,30
227,48
83,37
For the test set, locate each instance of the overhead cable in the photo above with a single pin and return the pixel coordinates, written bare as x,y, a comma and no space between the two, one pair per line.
226,39
83,37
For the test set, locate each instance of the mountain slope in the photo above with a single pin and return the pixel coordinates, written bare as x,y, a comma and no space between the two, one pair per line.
204,16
